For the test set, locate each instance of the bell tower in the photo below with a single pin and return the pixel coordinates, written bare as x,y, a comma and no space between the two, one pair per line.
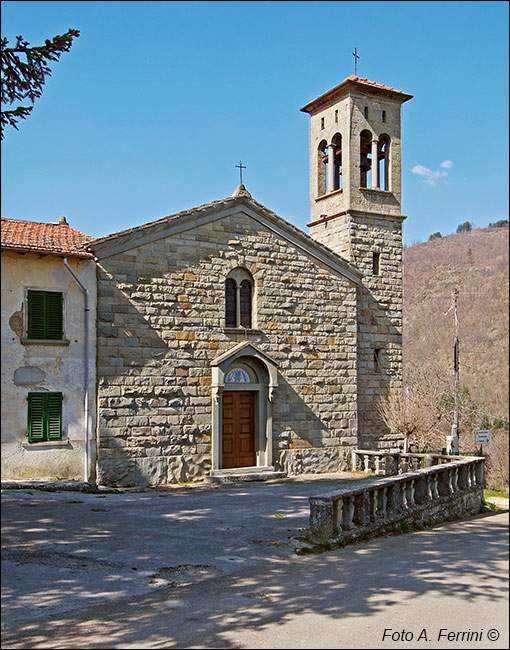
355,196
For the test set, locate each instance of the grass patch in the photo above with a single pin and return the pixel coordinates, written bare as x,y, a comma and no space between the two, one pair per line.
496,493
315,548
362,473
490,507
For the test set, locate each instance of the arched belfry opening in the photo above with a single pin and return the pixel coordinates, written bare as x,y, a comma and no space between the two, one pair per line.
322,168
243,384
336,144
383,161
365,162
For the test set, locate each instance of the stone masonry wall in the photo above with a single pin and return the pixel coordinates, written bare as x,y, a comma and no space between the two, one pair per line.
379,321
357,237
161,323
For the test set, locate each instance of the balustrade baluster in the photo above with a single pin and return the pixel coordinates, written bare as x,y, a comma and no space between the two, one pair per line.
403,488
366,462
384,503
410,494
435,489
450,481
428,490
374,495
348,510
339,514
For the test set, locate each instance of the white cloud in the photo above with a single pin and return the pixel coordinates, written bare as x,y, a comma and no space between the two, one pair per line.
430,176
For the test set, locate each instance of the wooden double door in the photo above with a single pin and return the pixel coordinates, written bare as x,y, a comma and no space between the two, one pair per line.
238,431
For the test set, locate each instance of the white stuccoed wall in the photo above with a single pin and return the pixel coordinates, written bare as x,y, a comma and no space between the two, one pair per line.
39,368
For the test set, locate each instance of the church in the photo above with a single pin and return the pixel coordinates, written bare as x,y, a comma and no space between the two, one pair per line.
230,342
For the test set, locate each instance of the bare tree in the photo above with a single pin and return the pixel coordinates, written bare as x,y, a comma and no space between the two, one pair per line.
497,475
422,411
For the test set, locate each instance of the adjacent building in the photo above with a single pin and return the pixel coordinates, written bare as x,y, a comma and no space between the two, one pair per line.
48,352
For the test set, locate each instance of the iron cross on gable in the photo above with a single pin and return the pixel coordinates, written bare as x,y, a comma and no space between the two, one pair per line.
241,167
356,57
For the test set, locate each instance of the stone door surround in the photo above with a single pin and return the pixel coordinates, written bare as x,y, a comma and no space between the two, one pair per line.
244,368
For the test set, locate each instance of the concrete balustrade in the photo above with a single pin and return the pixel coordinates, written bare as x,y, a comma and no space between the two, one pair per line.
430,494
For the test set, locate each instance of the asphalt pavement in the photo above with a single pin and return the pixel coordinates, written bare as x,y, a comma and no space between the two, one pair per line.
215,567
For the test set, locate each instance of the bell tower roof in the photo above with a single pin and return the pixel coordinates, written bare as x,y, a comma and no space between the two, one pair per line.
355,83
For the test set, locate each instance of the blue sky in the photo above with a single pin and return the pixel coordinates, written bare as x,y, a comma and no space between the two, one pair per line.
156,103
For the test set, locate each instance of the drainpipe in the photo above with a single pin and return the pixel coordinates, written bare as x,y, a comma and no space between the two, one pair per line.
86,380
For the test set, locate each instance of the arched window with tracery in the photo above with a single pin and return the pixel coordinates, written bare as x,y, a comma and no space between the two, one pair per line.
384,162
239,299
365,164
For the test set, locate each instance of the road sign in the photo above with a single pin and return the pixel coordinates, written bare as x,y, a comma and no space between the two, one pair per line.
482,436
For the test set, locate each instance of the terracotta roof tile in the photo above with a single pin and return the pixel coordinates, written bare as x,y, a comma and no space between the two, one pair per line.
342,88
361,80
48,238
150,224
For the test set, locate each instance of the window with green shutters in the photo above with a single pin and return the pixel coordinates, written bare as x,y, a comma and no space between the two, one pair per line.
44,315
44,417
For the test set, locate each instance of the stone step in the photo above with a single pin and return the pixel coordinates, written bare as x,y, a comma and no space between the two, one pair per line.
243,474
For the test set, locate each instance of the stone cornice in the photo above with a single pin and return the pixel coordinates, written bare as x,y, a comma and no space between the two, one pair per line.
357,213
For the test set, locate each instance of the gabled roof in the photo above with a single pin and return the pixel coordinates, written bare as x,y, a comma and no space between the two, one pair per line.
45,238
356,83
240,201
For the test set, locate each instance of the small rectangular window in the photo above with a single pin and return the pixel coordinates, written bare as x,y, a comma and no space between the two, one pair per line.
44,417
377,360
44,315
366,112
336,117
376,260
322,122
384,116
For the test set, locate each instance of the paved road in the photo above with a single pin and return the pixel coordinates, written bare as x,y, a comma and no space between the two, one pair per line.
215,568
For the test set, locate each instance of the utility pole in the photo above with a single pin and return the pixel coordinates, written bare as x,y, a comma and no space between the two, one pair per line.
452,442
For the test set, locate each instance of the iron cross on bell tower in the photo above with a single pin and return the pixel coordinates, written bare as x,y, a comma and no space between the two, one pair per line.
356,57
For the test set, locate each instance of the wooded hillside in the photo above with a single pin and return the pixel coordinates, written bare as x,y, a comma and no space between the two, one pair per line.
476,263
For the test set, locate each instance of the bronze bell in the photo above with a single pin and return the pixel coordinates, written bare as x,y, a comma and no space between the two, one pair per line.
366,164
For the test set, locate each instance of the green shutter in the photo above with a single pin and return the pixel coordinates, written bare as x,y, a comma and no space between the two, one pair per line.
54,416
36,417
35,314
44,315
53,315
44,416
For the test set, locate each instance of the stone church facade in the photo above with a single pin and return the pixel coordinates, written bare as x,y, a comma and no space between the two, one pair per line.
230,341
